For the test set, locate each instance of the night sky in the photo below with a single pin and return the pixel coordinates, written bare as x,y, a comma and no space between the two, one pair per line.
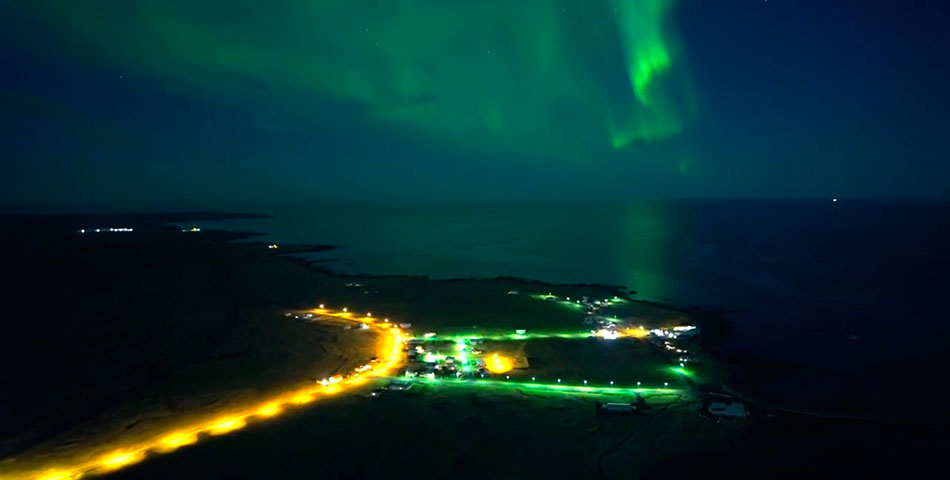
124,103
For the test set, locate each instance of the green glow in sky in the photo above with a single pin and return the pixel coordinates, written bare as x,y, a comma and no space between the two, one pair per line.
543,77
662,103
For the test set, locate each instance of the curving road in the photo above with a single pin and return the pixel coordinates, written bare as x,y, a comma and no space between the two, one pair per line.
99,462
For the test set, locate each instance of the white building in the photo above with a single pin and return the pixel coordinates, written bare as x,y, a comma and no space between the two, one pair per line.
727,409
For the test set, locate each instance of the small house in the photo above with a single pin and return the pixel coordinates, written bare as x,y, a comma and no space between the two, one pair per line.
731,409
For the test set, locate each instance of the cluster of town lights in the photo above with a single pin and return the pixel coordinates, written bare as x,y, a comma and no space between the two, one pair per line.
110,229
498,364
390,355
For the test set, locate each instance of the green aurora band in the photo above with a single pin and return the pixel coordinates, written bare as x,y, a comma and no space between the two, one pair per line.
543,77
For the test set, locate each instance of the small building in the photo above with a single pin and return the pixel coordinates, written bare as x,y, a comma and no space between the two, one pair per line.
726,408
615,408
399,386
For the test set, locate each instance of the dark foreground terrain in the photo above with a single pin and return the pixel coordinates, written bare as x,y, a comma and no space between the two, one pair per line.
111,334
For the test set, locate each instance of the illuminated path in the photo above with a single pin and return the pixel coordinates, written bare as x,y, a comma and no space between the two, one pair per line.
629,332
555,388
104,462
100,460
502,336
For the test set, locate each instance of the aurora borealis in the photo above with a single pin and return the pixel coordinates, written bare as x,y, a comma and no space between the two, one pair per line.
663,98
495,72
545,204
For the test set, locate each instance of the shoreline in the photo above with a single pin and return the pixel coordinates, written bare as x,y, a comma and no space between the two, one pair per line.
269,282
716,326
716,323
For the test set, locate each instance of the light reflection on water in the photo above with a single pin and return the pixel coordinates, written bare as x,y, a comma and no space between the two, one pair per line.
816,282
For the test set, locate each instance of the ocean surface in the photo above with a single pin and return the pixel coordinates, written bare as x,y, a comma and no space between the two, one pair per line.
848,299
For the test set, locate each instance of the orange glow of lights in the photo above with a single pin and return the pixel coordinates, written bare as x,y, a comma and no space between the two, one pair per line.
639,332
390,353
269,410
226,425
117,460
498,364
175,440
59,475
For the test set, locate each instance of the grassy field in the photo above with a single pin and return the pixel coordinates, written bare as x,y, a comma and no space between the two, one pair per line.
624,361
437,432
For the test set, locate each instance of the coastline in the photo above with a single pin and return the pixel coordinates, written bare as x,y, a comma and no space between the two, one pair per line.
152,236
254,349
737,374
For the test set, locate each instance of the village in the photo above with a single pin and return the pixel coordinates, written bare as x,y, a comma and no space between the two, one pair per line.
506,360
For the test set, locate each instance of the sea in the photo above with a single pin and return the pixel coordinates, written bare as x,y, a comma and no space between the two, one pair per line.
841,303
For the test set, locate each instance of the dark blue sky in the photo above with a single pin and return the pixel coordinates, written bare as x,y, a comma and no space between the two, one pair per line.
210,104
